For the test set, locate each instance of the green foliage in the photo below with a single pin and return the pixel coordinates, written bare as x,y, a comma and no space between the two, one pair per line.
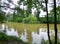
2,17
43,41
52,40
58,14
5,39
47,42
51,15
29,4
30,20
20,12
43,20
17,18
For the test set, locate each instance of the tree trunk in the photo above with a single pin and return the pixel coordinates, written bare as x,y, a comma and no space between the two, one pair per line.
47,22
55,23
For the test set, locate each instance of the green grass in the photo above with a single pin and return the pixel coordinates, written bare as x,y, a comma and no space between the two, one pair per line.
30,27
4,39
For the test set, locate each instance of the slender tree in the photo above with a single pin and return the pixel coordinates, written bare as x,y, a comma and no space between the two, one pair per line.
55,23
47,22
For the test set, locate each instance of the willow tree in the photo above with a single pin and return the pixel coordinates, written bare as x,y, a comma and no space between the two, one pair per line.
30,4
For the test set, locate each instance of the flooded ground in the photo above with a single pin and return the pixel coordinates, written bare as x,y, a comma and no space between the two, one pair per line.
36,37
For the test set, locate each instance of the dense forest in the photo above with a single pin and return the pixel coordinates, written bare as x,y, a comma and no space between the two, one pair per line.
25,14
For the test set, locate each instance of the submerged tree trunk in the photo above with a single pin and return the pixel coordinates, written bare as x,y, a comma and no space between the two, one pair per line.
55,23
47,22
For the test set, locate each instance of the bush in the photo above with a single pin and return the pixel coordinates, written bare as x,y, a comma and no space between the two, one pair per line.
52,40
2,18
43,20
30,20
17,19
4,39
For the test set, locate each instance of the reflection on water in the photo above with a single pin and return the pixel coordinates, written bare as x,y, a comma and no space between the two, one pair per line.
11,32
24,36
3,26
36,38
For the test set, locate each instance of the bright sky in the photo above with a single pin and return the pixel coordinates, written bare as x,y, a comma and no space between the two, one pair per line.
12,6
33,9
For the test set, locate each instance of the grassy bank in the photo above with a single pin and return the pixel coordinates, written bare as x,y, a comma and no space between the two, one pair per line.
4,39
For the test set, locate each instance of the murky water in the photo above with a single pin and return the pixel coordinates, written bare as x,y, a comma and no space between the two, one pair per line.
24,36
36,38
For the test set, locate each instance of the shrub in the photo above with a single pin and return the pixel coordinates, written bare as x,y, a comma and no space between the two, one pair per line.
2,18
43,20
30,20
4,39
52,40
